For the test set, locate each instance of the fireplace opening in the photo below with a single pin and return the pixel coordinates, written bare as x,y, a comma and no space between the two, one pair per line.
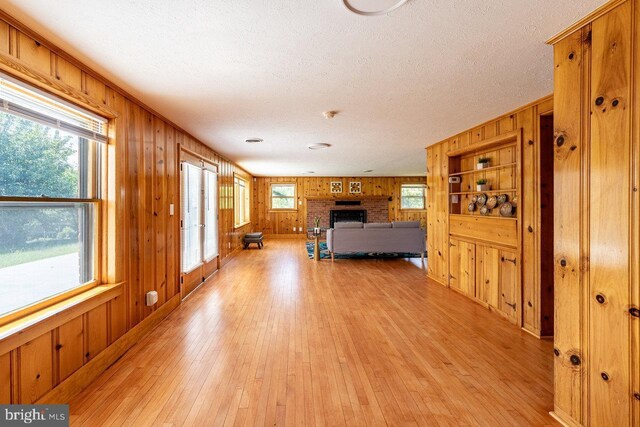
351,215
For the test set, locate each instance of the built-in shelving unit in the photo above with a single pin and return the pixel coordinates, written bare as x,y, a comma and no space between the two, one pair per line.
502,175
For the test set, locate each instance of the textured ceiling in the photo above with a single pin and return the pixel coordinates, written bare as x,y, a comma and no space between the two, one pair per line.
233,69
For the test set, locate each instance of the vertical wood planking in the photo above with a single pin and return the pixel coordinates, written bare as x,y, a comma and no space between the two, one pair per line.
160,211
568,61
609,371
70,347
36,370
5,379
143,247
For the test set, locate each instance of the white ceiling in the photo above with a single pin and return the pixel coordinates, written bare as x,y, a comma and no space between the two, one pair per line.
232,69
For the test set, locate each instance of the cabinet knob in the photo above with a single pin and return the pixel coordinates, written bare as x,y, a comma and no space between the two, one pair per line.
604,376
575,360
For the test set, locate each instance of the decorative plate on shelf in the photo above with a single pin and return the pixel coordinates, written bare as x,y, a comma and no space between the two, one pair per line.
506,209
484,210
471,207
474,198
492,202
482,199
514,201
502,199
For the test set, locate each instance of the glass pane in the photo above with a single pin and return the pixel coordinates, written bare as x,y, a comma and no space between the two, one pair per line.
283,203
413,191
210,215
191,248
36,160
44,251
413,202
287,190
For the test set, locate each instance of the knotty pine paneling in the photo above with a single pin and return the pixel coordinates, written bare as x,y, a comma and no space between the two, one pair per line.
537,306
597,141
142,247
283,222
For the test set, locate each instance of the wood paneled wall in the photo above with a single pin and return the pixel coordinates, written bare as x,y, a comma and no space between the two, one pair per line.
537,317
597,221
140,249
282,223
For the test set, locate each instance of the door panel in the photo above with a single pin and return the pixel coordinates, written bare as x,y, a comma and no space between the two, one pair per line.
509,284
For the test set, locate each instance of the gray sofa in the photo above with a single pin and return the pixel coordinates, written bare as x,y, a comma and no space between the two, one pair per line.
350,237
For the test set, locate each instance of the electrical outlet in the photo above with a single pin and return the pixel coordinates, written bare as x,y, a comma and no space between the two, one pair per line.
300,202
294,229
171,209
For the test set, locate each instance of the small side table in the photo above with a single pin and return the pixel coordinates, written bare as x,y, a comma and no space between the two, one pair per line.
315,235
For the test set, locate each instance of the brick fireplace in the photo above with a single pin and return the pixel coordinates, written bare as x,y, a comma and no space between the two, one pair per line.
377,210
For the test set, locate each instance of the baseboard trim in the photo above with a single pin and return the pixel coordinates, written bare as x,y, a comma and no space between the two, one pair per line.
286,236
437,280
563,418
84,376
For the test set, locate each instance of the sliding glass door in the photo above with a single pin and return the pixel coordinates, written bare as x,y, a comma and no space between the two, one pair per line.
199,221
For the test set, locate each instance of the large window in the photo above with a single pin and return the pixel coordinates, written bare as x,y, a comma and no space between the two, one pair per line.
283,196
199,216
412,196
242,203
50,155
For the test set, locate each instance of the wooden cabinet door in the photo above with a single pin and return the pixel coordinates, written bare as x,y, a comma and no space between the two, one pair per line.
462,266
454,264
509,267
487,275
467,273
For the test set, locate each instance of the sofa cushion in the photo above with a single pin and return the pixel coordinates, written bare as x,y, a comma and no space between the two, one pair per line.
405,224
377,225
338,225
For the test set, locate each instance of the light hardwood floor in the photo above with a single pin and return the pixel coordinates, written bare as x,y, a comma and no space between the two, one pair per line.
277,339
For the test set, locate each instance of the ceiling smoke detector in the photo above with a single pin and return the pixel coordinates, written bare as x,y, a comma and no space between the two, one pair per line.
253,140
329,114
375,8
318,146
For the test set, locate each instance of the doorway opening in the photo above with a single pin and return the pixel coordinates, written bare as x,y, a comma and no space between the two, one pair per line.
546,224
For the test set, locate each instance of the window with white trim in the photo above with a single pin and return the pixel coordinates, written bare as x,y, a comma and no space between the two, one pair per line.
50,161
412,196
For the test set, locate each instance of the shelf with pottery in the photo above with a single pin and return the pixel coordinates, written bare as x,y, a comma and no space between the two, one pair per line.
484,180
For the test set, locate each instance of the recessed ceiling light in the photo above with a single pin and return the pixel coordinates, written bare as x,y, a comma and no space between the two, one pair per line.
382,9
253,140
318,146
367,170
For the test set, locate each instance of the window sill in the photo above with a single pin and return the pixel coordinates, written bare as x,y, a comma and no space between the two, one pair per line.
412,210
20,331
236,226
282,210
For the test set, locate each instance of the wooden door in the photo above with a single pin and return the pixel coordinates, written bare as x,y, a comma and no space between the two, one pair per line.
487,275
509,269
